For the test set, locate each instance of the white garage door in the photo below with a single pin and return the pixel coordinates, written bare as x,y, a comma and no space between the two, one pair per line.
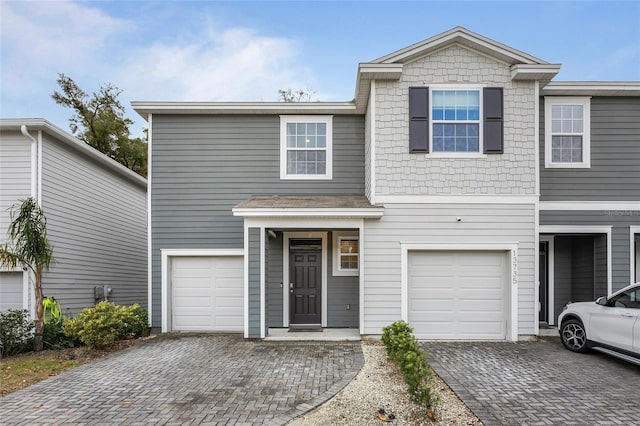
11,290
207,293
458,295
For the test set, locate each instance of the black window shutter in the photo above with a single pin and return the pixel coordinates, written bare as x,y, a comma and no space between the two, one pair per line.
418,119
493,111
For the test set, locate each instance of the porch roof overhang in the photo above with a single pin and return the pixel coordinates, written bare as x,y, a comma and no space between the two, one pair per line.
342,206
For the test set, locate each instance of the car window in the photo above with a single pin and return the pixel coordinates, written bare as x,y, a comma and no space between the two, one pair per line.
628,299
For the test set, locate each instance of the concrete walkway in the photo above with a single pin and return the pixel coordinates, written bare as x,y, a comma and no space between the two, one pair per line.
194,380
538,383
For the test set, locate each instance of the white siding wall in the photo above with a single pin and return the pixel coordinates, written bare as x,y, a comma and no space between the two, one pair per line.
97,225
15,184
15,175
436,224
398,172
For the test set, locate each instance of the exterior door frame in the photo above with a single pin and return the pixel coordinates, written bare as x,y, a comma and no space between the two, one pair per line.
551,255
634,254
287,236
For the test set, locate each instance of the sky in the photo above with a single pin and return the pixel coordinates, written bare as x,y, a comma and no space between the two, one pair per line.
246,51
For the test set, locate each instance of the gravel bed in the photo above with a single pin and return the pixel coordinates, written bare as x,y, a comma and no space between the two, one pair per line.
380,385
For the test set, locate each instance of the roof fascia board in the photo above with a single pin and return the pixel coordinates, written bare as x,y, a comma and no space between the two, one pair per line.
598,88
374,212
463,36
13,124
534,71
144,108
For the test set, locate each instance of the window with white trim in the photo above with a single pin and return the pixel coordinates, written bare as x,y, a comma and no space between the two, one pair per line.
567,132
455,118
346,253
306,147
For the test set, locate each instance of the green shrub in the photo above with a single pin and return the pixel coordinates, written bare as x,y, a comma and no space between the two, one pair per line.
403,348
107,323
54,336
16,332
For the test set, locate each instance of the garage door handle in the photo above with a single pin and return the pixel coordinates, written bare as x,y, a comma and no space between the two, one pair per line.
627,315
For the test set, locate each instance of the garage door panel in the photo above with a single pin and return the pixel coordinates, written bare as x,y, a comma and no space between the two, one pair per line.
207,293
457,295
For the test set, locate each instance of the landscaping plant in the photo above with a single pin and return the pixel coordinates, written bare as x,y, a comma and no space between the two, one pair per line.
402,347
29,248
16,332
106,323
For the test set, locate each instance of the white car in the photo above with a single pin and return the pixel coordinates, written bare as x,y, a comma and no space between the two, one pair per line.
610,325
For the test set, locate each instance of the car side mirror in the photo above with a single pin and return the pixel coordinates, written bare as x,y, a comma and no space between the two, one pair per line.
601,301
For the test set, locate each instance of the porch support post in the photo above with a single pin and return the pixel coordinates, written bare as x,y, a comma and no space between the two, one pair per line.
255,283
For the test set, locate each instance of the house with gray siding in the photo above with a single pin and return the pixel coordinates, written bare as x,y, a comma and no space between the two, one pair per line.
589,192
96,218
426,198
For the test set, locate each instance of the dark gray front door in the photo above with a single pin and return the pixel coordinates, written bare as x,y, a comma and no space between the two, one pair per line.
305,283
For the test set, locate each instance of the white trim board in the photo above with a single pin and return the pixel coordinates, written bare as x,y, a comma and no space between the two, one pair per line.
590,205
512,296
456,199
634,232
551,270
286,236
165,254
577,229
149,240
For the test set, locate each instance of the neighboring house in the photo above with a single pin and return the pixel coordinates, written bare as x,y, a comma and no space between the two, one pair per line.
96,218
418,200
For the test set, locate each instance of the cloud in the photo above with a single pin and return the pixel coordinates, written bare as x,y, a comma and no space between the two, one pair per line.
40,39
215,65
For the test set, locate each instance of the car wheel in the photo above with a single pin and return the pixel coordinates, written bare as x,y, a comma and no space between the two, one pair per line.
573,336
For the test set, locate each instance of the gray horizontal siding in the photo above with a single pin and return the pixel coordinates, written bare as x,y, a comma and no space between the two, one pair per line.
202,166
615,156
253,253
620,237
341,291
275,279
97,225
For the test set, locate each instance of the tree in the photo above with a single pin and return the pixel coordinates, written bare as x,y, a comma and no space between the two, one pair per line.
100,122
299,95
29,248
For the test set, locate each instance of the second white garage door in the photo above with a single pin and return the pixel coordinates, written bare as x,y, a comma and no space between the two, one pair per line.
207,293
458,295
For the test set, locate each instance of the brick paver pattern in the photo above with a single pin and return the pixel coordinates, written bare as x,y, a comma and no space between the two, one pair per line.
538,383
194,380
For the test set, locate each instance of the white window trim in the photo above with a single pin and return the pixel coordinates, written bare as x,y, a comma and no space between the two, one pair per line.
440,154
326,119
337,237
585,101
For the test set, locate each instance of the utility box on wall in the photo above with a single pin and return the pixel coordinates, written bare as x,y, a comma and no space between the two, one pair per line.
102,293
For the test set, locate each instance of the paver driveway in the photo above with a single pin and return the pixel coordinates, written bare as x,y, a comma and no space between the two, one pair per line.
215,379
538,383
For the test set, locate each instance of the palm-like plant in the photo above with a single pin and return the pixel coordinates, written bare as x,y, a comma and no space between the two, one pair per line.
29,248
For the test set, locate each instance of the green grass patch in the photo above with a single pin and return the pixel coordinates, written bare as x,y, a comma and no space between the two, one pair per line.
19,372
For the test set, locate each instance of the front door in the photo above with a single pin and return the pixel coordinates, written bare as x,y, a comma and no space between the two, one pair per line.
305,282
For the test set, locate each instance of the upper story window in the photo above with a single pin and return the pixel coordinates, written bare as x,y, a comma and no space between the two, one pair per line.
456,121
455,117
567,132
306,147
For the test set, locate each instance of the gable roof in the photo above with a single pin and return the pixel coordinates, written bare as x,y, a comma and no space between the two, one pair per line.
464,37
40,124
